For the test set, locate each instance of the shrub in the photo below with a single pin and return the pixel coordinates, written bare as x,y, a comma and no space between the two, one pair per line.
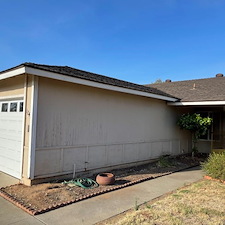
215,166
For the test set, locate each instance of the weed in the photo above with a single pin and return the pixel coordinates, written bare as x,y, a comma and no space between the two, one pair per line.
212,212
185,191
164,162
148,206
198,185
136,206
176,196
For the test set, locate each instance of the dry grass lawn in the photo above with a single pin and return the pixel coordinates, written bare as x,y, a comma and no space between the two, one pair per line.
200,203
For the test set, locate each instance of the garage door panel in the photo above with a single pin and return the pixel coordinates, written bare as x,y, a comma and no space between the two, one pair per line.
8,161
10,143
7,168
10,136
10,156
11,126
10,153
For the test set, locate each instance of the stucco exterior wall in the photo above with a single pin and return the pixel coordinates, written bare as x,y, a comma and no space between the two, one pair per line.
12,87
93,128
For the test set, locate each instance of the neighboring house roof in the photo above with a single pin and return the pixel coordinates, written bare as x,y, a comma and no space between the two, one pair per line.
199,90
76,73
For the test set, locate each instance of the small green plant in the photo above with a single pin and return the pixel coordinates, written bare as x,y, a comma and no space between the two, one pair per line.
164,162
212,212
148,206
215,166
136,206
176,196
185,191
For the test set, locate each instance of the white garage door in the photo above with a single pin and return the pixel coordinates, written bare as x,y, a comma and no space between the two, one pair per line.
11,119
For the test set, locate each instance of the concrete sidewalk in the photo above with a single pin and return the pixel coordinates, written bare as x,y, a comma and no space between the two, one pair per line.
99,208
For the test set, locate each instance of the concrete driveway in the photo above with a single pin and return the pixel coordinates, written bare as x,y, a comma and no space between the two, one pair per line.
9,213
6,180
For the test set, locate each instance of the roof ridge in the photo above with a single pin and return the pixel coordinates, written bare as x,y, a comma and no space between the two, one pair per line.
206,89
184,81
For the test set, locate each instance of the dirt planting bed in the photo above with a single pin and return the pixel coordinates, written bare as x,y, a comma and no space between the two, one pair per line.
44,197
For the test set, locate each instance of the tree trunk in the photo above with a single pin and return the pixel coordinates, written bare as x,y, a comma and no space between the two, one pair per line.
194,142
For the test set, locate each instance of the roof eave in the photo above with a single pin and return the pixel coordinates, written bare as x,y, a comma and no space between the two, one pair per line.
12,72
22,69
197,103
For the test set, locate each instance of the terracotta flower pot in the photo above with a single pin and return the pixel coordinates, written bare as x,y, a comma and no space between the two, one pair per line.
105,178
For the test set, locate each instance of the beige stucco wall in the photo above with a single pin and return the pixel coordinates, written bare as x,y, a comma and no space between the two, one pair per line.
12,86
95,128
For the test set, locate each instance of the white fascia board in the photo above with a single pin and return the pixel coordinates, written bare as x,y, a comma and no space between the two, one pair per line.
205,103
12,73
75,80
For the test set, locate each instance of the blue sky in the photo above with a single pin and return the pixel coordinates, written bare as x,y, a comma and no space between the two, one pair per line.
138,41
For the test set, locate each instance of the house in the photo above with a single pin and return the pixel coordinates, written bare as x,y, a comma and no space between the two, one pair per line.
206,97
57,121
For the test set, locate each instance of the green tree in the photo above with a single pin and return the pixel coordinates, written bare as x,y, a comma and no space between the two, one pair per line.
197,125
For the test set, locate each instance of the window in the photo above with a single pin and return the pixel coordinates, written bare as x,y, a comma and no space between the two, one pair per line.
4,107
21,107
13,106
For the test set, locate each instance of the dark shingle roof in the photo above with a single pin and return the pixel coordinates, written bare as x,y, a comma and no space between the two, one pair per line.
209,89
72,72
